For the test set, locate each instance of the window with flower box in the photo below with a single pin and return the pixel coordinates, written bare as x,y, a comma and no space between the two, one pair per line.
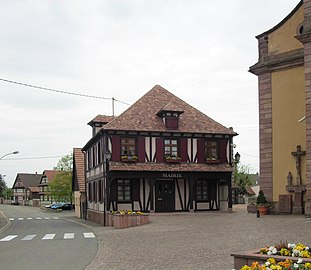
212,151
124,190
128,149
171,150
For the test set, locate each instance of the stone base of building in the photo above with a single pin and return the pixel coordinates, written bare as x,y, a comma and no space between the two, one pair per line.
95,216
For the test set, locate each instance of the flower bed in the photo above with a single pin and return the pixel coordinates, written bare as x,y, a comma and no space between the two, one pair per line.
126,218
285,256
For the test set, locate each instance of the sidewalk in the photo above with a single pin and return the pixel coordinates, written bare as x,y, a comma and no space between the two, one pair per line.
201,240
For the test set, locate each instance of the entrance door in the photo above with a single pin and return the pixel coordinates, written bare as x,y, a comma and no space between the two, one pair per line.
165,196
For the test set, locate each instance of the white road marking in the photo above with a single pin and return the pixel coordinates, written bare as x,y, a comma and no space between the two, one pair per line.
55,217
20,218
49,236
29,218
39,218
46,218
8,238
89,235
69,235
29,237
11,219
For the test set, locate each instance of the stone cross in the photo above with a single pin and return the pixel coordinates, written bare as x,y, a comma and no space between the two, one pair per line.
298,154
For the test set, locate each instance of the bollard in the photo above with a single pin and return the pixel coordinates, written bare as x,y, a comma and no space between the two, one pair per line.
258,214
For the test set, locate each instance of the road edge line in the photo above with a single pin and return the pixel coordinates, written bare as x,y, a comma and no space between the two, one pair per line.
7,225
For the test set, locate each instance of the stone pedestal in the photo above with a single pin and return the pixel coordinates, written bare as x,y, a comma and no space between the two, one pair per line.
298,191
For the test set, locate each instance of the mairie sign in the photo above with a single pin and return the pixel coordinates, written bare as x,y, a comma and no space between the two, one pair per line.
171,175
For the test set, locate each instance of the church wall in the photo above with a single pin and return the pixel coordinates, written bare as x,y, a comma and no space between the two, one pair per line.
283,39
288,96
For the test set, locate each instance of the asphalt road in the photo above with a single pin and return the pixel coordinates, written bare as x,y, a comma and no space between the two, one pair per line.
42,240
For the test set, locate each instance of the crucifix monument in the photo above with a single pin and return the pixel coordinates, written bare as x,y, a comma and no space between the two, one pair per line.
298,189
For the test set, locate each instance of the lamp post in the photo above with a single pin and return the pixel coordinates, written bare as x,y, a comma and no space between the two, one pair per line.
11,153
236,160
107,157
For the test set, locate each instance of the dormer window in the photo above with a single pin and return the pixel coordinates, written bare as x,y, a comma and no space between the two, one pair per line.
170,117
171,120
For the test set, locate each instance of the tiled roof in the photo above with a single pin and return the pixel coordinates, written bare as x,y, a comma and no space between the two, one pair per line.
27,180
166,167
142,115
34,189
103,119
50,174
78,158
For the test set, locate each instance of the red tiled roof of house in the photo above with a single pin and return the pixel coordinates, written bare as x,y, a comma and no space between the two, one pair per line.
34,189
50,174
104,119
79,168
142,115
166,167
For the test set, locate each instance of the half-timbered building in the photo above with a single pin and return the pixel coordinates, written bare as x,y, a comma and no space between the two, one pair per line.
160,155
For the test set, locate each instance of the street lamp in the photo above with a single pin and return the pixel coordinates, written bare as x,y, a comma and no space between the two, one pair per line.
107,157
12,153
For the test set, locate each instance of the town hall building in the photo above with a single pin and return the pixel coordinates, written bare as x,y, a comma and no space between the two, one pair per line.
160,155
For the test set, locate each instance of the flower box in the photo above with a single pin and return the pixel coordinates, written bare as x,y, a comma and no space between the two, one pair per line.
129,158
126,219
172,159
254,257
212,161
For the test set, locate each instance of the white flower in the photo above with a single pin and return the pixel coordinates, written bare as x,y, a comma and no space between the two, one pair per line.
299,260
267,263
307,248
291,245
296,265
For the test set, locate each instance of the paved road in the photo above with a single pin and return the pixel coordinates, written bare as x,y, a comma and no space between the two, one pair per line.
44,240
192,241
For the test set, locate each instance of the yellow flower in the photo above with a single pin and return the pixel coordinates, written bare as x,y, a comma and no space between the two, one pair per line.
308,265
271,260
245,267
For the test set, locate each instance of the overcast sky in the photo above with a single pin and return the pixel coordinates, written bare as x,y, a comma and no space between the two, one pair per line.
199,50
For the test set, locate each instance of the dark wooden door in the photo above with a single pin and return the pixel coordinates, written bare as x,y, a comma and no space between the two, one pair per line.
165,196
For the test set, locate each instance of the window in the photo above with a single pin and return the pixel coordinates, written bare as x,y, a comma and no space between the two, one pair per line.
124,190
170,148
201,190
128,147
212,150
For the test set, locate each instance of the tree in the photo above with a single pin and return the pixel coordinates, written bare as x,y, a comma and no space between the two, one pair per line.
2,185
243,178
61,186
8,193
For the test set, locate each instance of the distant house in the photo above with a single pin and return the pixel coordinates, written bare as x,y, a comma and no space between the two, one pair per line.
78,183
166,156
24,182
44,189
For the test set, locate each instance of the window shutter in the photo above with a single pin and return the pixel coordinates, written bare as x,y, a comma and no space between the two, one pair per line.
201,151
116,151
223,151
141,149
160,150
183,150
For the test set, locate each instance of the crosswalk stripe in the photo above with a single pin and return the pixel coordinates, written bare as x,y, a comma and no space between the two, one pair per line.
29,237
20,218
89,235
29,218
8,238
39,218
46,218
55,217
69,235
11,219
49,236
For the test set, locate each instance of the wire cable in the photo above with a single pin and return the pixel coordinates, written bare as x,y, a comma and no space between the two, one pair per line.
59,91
